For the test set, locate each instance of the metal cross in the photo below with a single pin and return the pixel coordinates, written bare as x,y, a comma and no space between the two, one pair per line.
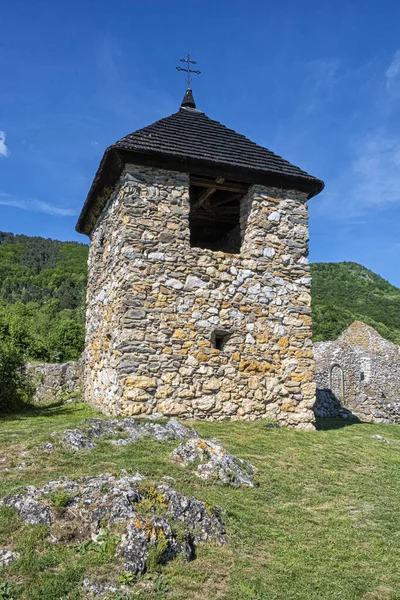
188,69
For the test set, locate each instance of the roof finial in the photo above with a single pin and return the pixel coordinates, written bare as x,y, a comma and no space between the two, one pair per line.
188,100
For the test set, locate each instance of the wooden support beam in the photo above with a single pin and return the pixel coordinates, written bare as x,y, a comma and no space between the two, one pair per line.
229,186
202,199
226,200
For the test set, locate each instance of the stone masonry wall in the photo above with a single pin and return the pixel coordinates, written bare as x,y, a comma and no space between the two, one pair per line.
53,381
368,366
154,305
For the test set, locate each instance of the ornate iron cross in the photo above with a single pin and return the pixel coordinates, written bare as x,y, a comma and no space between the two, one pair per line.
188,69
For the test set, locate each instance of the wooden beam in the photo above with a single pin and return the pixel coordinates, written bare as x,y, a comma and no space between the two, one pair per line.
204,196
226,200
229,186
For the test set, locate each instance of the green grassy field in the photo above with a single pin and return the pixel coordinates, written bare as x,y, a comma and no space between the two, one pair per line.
323,524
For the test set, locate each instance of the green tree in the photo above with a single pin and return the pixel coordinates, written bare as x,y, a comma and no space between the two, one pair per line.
15,387
67,338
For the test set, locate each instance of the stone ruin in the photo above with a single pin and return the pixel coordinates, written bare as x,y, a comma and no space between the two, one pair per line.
55,381
198,300
358,374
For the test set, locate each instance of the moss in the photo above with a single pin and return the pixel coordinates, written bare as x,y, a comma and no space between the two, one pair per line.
60,499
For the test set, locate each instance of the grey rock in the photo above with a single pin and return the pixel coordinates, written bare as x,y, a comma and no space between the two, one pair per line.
121,442
28,508
100,589
203,525
47,446
82,439
216,463
142,533
380,438
75,439
7,557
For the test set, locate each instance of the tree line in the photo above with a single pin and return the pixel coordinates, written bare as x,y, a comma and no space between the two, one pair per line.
43,288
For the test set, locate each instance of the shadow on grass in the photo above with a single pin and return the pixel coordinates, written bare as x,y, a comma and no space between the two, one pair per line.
326,423
33,410
328,402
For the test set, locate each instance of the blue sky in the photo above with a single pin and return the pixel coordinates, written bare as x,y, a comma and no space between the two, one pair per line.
318,83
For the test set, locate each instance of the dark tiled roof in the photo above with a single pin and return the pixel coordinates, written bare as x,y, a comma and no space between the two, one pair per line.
190,141
189,133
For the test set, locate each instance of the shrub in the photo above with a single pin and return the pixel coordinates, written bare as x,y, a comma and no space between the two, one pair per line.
68,338
15,386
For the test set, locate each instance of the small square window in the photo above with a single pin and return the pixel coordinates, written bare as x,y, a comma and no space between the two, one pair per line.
219,339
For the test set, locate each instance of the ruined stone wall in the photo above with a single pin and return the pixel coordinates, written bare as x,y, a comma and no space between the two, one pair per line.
370,367
53,381
154,305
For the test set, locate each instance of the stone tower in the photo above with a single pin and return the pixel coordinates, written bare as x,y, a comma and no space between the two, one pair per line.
198,301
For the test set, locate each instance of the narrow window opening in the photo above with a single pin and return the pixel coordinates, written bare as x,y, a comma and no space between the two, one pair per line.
100,239
362,376
219,339
214,218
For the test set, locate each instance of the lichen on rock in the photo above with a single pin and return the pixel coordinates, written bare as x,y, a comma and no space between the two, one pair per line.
81,510
126,431
216,463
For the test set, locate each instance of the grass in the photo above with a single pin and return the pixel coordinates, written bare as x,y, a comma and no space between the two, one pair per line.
323,524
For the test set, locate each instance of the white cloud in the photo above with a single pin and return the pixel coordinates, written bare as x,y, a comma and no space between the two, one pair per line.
35,205
371,182
3,148
393,72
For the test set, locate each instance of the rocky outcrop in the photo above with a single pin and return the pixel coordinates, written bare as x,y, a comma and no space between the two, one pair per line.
89,510
121,431
215,463
53,381
358,374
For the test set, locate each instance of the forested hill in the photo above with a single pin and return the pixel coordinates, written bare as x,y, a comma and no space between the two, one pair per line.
343,292
43,286
42,296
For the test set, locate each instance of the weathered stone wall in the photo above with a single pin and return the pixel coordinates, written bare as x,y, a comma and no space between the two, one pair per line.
154,304
363,372
54,381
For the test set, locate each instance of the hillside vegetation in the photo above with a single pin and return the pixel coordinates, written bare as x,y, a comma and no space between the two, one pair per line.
43,285
323,524
42,296
343,292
